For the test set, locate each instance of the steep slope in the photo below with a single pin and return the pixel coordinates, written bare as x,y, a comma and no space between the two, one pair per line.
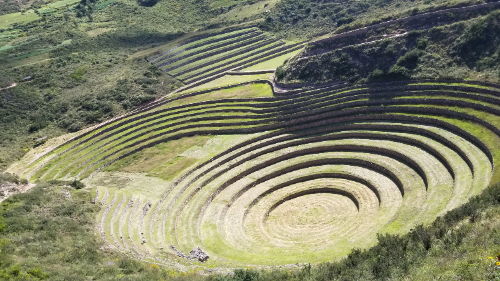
428,46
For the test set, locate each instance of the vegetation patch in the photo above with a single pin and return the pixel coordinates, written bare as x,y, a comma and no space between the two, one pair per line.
441,52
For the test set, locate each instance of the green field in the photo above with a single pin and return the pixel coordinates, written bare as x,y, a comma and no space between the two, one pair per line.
19,18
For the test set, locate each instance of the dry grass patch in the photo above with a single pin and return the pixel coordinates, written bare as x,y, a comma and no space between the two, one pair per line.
98,31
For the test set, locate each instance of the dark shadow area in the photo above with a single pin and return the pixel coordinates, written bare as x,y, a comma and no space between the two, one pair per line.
147,3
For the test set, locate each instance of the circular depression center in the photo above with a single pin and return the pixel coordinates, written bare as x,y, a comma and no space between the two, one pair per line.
311,217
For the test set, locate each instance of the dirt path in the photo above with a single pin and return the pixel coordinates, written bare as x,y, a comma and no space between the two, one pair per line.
11,86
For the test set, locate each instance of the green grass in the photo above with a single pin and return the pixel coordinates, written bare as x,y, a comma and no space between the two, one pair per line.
89,154
247,91
261,255
94,153
6,47
228,80
272,63
62,3
225,63
211,58
205,46
10,19
252,90
237,14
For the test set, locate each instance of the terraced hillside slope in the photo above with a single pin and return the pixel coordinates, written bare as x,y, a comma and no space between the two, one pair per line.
208,56
261,178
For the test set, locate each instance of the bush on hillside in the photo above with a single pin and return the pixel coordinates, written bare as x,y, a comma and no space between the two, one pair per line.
410,58
11,178
376,75
77,184
280,73
479,40
44,236
398,72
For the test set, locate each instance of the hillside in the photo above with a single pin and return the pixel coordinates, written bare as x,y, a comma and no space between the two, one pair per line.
451,45
251,140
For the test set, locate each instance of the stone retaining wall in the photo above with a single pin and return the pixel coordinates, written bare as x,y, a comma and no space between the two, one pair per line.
332,119
313,163
141,116
317,113
199,38
274,43
309,178
205,53
234,66
236,37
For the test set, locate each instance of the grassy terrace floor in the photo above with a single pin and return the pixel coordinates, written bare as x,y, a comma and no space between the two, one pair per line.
260,179
211,54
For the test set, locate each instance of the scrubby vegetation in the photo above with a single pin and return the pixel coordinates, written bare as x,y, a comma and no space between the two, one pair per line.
11,178
308,19
45,235
465,49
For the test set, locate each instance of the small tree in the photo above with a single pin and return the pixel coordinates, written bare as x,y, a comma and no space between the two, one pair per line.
76,184
85,8
280,73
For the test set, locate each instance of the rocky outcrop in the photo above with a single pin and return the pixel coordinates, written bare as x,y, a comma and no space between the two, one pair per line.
195,254
198,254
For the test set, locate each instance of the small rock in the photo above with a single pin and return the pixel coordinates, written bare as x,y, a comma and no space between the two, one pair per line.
198,254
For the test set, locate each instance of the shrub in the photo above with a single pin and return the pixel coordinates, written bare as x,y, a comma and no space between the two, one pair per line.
410,59
38,273
399,72
9,178
280,73
79,74
239,275
422,44
147,3
343,21
77,184
377,74
129,266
